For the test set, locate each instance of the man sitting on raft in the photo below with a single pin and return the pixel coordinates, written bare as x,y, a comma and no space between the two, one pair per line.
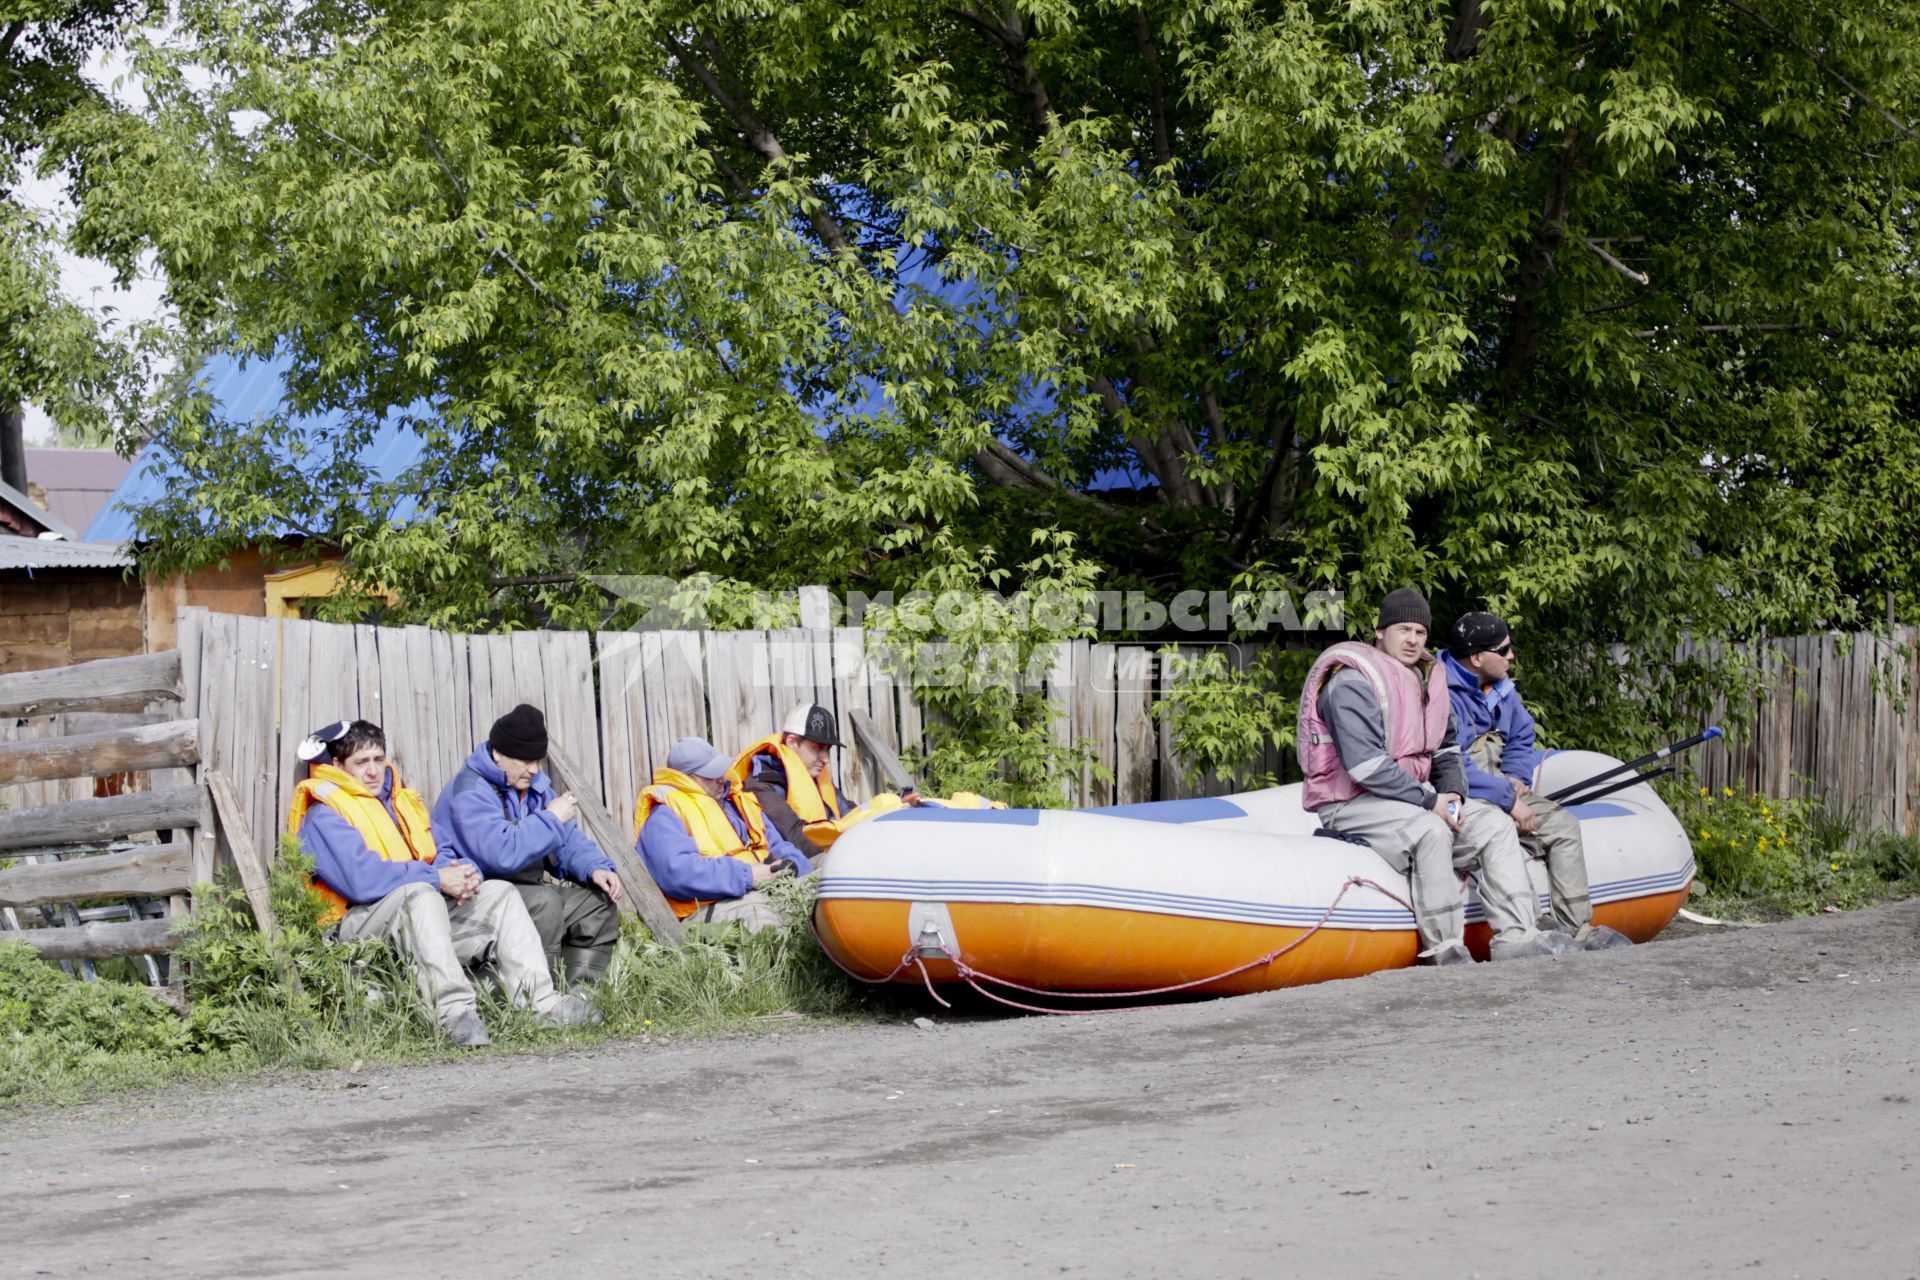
1377,746
705,841
1497,733
376,864
787,773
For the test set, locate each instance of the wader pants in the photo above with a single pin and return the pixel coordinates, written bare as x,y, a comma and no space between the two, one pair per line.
1557,843
441,940
753,911
576,921
1421,846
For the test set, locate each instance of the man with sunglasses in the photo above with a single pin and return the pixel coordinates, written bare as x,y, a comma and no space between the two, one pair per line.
1496,733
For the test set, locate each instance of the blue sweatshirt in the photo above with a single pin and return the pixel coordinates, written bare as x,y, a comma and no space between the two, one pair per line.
1496,710
678,867
342,861
503,832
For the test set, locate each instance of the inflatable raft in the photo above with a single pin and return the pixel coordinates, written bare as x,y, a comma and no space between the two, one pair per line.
1215,896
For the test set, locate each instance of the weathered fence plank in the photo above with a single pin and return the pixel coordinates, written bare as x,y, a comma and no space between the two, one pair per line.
616,840
247,858
1135,730
83,820
92,755
101,939
108,684
151,871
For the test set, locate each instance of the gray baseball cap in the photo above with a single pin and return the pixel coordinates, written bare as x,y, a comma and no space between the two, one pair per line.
697,756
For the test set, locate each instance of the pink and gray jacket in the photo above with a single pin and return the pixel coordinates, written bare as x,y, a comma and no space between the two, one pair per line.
1370,723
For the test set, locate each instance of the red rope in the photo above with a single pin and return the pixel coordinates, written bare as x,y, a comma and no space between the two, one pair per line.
974,977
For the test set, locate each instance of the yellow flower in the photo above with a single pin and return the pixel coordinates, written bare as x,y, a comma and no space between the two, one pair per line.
1705,834
1762,846
1703,791
1727,792
1833,866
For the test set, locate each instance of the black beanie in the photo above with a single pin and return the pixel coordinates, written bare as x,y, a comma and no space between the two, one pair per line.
1476,633
1404,604
521,734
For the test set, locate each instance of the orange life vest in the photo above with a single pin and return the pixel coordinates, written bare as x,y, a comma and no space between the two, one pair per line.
411,839
813,799
701,814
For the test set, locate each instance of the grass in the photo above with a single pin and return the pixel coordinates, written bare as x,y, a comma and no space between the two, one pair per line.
313,1004
1763,858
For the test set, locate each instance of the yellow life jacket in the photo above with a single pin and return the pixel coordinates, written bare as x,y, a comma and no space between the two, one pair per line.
813,799
701,814
410,840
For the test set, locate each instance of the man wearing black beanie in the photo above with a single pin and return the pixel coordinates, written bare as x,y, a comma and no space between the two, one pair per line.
1376,741
500,812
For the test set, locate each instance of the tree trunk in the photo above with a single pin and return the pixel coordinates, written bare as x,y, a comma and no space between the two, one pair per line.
13,445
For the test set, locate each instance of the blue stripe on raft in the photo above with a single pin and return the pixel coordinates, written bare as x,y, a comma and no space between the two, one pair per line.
1105,895
986,817
1204,809
1387,916
1601,809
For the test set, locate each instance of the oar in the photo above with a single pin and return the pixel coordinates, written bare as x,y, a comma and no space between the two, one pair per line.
1620,785
1706,735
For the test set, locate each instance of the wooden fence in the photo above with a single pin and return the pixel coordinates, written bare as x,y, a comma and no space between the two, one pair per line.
615,701
101,875
1839,718
1833,721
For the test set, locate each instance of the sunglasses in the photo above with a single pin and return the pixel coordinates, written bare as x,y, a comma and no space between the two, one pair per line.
1505,650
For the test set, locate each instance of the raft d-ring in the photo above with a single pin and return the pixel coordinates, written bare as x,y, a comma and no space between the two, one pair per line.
930,928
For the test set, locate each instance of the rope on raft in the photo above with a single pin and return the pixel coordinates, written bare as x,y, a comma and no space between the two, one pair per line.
915,957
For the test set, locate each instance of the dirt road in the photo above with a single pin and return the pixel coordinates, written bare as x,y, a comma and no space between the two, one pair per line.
1743,1103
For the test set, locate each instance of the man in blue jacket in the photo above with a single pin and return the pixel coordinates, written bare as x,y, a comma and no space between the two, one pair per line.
1497,734
500,812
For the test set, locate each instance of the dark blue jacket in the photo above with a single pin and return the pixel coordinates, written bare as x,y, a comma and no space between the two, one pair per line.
503,832
1498,710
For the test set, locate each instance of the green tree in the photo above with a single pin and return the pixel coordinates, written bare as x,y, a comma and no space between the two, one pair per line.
52,351
1594,311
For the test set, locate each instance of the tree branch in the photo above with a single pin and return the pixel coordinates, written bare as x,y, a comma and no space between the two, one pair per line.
1156,89
1463,34
1899,127
1638,277
1523,330
1676,330
760,138
1009,34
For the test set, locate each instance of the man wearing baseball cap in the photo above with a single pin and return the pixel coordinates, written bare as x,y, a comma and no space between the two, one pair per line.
501,813
787,773
1497,737
1377,745
707,842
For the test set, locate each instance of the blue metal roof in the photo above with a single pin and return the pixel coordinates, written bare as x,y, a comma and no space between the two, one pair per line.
243,392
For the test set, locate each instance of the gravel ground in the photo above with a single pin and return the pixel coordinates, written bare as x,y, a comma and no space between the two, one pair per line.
1728,1102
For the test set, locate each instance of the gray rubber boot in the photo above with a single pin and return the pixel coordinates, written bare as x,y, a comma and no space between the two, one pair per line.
1597,937
1534,944
469,1032
574,1011
585,966
1448,953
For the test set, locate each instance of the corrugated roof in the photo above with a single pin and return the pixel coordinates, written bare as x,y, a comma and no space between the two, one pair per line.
243,392
54,553
77,482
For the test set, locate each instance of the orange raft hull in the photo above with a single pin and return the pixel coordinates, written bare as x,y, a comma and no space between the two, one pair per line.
1233,894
